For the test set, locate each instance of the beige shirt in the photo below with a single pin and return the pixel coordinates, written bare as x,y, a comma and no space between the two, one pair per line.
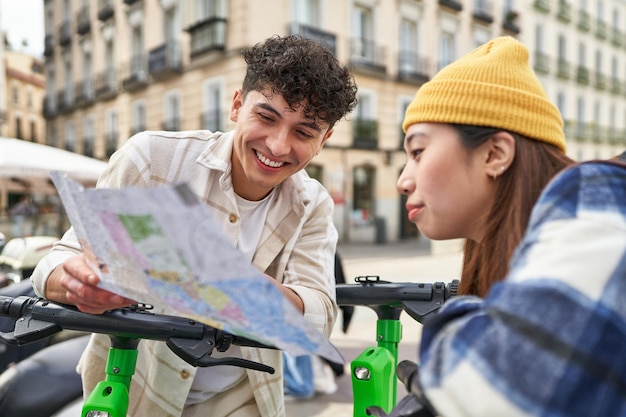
297,248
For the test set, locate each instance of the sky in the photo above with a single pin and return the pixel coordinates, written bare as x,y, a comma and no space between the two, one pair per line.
23,19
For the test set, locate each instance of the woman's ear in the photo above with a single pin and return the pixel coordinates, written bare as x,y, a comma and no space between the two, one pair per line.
500,153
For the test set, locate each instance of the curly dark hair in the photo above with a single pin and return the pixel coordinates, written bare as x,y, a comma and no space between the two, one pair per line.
305,73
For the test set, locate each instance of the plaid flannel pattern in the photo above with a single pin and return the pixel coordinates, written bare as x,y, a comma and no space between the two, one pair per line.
549,340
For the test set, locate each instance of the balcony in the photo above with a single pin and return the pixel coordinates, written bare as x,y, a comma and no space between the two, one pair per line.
365,133
601,29
212,120
509,23
451,4
412,67
367,55
542,62
88,147
65,100
483,11
616,85
111,138
564,13
617,37
106,84
83,24
171,124
84,92
311,32
65,33
600,81
542,6
208,35
563,69
165,61
582,75
48,42
135,74
584,21
106,10
49,106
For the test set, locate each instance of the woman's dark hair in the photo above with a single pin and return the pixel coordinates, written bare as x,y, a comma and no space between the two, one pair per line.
305,73
517,191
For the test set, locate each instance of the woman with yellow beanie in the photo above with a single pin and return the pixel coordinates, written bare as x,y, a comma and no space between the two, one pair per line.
482,141
547,336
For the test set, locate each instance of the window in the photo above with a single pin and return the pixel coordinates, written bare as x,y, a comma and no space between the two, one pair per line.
88,136
138,117
18,127
87,90
29,97
363,191
365,125
447,49
15,91
363,32
111,131
33,131
315,171
409,52
68,90
212,105
307,12
70,140
171,112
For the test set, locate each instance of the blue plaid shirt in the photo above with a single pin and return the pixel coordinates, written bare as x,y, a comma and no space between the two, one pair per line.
549,340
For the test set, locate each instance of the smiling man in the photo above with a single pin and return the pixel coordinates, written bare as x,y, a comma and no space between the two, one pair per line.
252,179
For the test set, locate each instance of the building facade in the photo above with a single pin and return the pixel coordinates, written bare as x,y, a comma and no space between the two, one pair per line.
116,67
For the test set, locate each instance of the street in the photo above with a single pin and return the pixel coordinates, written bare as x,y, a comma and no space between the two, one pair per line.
396,262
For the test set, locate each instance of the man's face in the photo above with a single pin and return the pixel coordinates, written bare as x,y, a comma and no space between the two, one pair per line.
272,142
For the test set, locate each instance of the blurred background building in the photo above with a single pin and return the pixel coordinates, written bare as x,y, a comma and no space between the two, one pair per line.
116,67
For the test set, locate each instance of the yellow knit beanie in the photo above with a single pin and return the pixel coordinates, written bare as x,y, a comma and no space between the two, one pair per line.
492,86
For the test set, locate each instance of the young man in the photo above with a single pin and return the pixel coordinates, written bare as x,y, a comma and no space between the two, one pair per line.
252,179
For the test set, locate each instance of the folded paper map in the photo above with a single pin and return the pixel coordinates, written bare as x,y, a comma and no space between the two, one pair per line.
161,246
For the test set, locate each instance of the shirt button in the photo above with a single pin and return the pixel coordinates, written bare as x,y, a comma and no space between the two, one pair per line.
233,218
184,374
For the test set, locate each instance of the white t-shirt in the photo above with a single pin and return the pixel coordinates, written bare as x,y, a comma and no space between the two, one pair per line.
212,380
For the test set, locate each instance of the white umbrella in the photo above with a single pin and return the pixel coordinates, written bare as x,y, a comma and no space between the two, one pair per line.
28,162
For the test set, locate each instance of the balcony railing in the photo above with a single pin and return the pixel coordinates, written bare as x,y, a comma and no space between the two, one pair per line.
111,138
84,92
563,69
564,13
65,33
106,84
582,75
106,10
510,21
312,32
83,24
542,62
483,11
412,67
165,60
135,73
584,21
208,35
452,4
365,133
171,124
48,42
367,54
212,120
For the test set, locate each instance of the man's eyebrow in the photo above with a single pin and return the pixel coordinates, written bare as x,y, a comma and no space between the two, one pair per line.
310,125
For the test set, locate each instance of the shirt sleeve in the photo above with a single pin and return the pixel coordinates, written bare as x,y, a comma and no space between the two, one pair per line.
545,340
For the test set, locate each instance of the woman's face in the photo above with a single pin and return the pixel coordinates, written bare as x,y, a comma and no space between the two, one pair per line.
449,193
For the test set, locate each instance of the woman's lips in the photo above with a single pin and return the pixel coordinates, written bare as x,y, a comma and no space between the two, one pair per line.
413,211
